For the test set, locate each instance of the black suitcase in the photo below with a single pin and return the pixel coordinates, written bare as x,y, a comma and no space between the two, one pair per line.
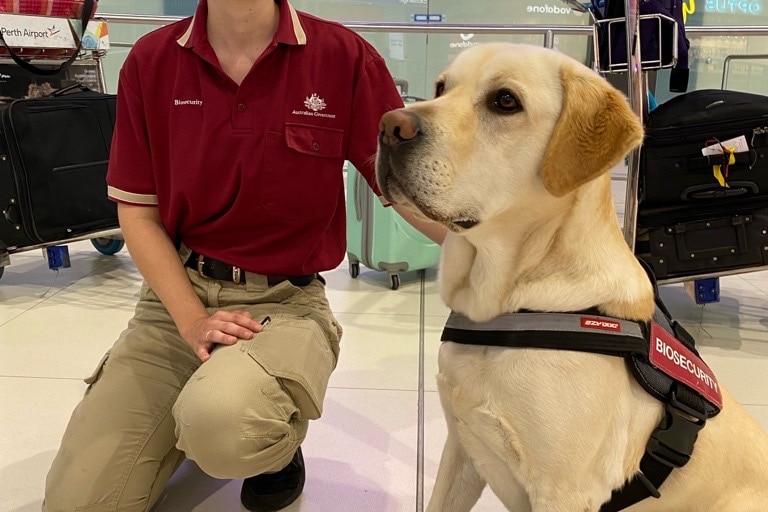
731,234
53,163
673,170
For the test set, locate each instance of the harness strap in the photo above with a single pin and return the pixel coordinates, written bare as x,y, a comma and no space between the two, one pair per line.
670,447
554,331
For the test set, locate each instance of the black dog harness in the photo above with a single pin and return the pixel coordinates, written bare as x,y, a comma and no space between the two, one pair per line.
661,355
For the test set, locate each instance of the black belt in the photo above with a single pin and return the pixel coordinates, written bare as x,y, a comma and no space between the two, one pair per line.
215,269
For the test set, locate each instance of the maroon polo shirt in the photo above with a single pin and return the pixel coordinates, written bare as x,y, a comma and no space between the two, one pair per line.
250,175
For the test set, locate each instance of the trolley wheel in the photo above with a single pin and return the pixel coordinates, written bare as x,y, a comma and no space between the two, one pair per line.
354,269
395,281
2,269
108,246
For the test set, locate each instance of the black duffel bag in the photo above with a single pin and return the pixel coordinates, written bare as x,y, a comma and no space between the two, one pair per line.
54,152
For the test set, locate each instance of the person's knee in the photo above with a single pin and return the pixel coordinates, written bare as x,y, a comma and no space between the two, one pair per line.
235,453
226,445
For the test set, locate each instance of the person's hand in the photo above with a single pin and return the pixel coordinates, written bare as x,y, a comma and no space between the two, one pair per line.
223,327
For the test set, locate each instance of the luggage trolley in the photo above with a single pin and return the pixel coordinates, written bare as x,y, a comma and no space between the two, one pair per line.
87,69
701,236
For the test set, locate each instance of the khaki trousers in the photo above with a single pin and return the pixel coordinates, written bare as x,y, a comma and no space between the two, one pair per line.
151,403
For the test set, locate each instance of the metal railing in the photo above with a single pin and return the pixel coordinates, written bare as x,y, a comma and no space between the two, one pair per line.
444,28
727,64
547,32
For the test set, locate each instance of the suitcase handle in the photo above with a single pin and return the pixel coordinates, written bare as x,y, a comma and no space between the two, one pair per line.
89,7
70,89
738,231
705,192
356,186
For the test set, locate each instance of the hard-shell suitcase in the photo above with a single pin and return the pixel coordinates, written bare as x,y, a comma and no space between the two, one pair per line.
673,169
53,162
717,237
379,238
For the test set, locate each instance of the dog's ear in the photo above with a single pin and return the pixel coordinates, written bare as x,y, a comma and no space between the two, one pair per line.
596,129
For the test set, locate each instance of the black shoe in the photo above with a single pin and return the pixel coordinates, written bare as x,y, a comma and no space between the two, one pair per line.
274,491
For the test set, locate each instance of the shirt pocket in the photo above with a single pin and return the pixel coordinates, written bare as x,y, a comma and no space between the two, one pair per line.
302,171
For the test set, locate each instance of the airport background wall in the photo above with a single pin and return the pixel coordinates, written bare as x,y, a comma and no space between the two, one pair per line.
418,58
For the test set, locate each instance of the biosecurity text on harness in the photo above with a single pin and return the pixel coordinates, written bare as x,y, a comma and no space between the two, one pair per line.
669,355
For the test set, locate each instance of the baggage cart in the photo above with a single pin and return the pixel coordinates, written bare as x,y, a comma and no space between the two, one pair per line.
22,227
690,227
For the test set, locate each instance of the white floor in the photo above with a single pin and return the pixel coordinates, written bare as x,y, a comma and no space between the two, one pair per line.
362,455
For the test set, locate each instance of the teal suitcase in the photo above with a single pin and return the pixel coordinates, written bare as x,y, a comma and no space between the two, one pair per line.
380,238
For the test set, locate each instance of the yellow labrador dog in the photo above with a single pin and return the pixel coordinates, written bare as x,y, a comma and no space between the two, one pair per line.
513,156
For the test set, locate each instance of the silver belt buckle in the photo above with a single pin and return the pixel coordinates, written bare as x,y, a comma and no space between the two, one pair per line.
236,274
200,262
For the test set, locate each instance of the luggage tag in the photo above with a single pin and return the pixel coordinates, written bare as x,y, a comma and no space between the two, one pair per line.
727,149
738,144
718,173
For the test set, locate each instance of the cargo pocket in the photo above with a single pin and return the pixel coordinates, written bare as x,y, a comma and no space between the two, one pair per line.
297,353
97,372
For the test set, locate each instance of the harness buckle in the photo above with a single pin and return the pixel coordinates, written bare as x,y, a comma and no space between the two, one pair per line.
672,442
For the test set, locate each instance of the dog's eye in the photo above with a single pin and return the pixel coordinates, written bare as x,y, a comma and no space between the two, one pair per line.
506,101
439,89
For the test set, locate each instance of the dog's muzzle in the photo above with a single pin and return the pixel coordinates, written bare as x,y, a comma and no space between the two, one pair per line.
403,144
399,133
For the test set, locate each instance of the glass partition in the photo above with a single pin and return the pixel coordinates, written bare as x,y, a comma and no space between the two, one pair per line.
707,53
415,58
122,35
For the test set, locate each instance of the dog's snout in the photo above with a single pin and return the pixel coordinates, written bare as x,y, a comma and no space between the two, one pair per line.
398,126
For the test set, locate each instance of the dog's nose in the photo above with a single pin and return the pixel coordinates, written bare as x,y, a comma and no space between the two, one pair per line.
397,126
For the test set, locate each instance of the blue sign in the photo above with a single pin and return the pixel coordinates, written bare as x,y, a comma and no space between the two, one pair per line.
753,7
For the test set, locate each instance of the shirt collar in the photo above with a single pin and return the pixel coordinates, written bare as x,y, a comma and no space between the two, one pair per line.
289,28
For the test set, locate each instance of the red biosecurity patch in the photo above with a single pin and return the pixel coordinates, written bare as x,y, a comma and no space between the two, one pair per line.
669,355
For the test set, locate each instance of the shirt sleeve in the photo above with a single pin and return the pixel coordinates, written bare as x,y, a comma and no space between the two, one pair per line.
130,175
375,94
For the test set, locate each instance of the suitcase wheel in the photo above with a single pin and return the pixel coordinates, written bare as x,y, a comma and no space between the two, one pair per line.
108,246
354,269
395,281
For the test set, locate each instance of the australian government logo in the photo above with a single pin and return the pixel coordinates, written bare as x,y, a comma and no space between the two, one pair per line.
315,104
